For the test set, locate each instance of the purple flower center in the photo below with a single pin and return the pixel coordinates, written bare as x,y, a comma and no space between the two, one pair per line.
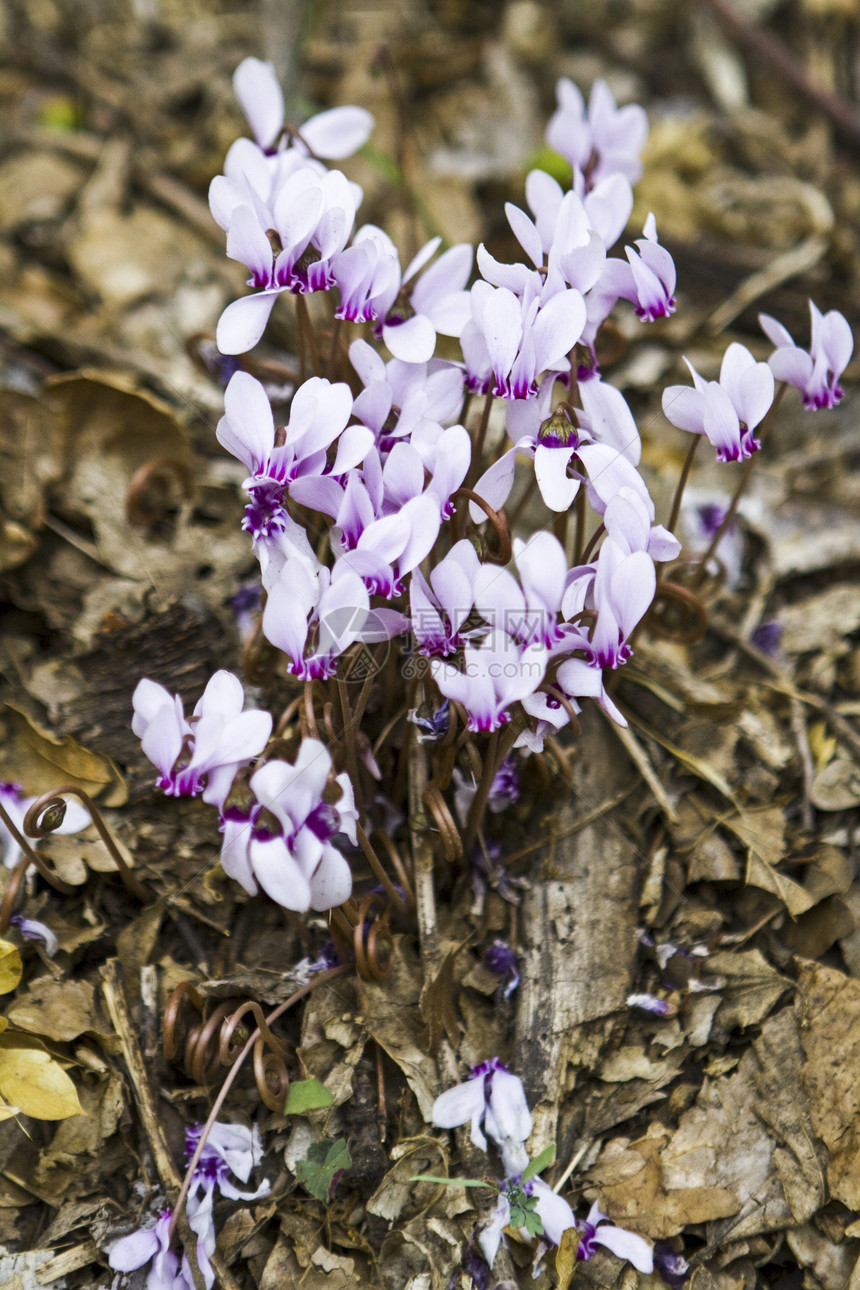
323,822
265,514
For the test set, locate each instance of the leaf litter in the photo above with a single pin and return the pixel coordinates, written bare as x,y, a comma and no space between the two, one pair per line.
726,1128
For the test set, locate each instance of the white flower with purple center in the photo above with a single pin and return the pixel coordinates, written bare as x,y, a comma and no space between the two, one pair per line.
276,458
334,134
200,754
726,411
416,308
313,218
152,1245
522,334
814,372
492,1099
553,1211
283,842
604,140
229,1149
495,675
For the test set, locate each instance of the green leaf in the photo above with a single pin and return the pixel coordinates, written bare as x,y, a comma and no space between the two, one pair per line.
539,1163
307,1095
451,1182
322,1167
533,1224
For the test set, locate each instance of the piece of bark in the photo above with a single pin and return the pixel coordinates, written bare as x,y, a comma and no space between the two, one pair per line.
578,930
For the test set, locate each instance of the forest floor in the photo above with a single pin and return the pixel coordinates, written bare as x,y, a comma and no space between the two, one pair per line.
706,856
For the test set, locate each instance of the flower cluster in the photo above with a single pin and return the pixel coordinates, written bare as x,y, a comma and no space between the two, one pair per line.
229,1148
376,510
277,825
493,1101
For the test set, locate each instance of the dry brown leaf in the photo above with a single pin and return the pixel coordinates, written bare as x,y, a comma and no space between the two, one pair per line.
41,761
59,1010
837,786
829,1012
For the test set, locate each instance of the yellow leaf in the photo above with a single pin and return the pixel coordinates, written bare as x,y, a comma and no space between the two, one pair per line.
565,1257
31,1080
11,967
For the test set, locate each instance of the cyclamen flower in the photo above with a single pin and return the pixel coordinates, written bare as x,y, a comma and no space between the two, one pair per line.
32,930
411,315
438,609
229,1148
496,674
504,790
398,396
203,753
492,1099
728,410
604,141
521,334
814,372
334,135
16,805
312,219
152,1244
626,1245
554,1212
283,841
314,616
647,280
318,416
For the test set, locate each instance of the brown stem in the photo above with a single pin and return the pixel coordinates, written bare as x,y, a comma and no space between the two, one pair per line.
307,336
36,830
499,747
523,502
33,856
682,483
579,558
480,439
592,541
767,48
349,745
334,351
379,869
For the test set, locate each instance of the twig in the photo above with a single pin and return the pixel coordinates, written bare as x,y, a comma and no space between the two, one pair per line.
422,854
767,48
115,1001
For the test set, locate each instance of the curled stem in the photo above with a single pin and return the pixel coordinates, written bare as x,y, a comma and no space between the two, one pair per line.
36,828
220,1098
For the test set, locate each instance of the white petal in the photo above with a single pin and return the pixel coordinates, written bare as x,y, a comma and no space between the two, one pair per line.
243,322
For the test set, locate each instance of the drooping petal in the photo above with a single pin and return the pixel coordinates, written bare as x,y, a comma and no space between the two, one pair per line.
627,1245
337,133
279,875
413,341
243,322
